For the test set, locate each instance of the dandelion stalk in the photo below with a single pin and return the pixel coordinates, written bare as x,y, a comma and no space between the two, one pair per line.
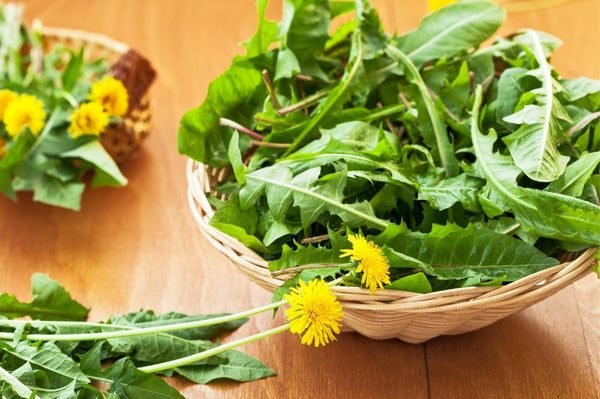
578,126
240,128
268,144
19,388
269,84
302,104
47,128
134,332
155,368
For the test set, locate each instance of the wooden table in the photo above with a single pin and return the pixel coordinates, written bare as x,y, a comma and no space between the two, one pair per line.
139,247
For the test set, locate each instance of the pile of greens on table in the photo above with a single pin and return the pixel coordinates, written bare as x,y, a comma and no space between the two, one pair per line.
51,162
466,164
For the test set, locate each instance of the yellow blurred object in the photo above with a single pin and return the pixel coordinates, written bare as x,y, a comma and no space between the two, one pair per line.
436,4
508,5
530,5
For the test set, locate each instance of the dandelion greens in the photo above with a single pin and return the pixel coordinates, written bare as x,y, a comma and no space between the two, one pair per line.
466,164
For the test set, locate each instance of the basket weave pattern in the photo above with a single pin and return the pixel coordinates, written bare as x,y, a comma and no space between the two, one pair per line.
408,316
123,139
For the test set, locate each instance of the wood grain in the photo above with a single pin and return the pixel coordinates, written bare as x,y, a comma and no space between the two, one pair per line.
138,247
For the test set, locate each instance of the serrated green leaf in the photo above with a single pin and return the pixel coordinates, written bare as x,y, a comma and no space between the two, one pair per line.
576,175
159,348
50,302
451,252
417,282
129,382
584,91
455,28
287,64
511,86
304,27
239,223
431,123
52,191
373,37
564,218
266,32
310,255
312,198
72,71
533,145
238,367
146,319
107,171
14,385
234,94
354,143
60,368
444,193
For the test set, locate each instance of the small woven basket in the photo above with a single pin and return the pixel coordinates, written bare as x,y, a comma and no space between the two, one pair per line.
408,316
121,140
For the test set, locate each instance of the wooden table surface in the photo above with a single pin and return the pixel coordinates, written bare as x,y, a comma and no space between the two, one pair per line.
139,247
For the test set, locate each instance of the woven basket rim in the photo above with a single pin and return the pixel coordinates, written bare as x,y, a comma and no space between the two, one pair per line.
483,294
89,37
408,316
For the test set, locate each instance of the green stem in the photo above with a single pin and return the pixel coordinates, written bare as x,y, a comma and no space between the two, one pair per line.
437,124
69,97
19,388
302,104
142,331
386,112
578,126
211,352
47,128
329,105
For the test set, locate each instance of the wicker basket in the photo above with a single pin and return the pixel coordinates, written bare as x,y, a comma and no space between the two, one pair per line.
121,140
409,316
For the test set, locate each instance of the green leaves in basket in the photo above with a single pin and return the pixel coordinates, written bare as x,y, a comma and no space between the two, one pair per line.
533,145
564,218
451,252
66,362
482,161
452,30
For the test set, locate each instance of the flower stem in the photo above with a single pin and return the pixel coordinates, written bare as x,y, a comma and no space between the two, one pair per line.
578,126
269,144
211,352
19,388
240,128
142,331
47,127
303,267
270,89
302,104
268,121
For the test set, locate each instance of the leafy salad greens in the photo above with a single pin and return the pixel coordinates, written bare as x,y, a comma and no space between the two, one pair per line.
50,162
57,354
467,164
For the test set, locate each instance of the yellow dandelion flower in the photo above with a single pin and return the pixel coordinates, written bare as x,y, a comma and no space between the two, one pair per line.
6,96
24,111
314,312
89,118
113,96
372,262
